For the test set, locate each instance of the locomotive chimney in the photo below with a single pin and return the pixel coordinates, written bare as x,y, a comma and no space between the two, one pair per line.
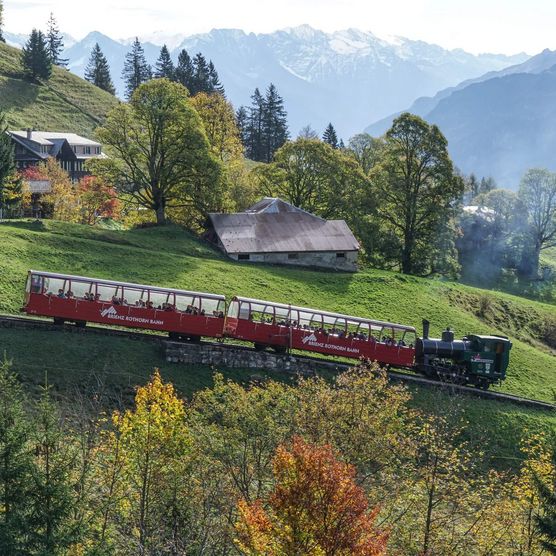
29,133
426,326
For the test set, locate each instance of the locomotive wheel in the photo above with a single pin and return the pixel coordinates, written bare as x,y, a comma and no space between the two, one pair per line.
279,349
259,347
80,323
58,321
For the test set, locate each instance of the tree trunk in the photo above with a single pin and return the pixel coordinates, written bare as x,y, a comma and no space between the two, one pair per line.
160,215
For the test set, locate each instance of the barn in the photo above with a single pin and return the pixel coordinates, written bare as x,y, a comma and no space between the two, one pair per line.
274,231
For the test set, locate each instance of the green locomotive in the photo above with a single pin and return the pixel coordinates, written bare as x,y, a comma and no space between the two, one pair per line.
475,359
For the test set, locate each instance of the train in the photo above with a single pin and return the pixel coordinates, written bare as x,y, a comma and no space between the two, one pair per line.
475,359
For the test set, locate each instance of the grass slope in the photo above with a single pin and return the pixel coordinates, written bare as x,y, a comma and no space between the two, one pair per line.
170,257
64,103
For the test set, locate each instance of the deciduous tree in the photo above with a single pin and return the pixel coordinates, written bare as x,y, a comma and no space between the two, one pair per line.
220,125
7,160
316,507
97,199
537,192
160,153
419,193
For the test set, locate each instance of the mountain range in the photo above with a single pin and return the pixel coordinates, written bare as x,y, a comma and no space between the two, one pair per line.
499,124
347,77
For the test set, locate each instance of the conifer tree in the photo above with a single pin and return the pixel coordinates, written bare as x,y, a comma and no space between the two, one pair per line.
55,43
97,71
164,66
214,81
52,497
329,136
201,76
15,463
2,39
35,57
7,161
242,122
254,135
136,70
275,127
185,70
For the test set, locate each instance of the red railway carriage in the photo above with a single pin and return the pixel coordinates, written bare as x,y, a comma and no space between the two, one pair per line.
79,299
287,327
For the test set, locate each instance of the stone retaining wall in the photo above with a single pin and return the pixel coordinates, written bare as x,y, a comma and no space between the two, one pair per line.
232,357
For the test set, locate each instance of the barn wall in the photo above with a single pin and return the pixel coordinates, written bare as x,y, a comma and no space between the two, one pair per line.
318,260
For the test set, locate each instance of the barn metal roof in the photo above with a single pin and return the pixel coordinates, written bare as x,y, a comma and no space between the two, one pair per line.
281,232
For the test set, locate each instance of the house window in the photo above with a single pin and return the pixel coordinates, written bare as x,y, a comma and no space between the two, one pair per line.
243,257
293,256
87,150
97,150
340,255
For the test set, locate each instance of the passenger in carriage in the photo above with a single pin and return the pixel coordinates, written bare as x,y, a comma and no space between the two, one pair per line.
150,305
97,297
61,293
189,309
69,294
202,312
115,300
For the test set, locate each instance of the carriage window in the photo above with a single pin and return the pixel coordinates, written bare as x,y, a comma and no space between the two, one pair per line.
133,296
53,285
209,305
35,284
159,298
79,288
106,292
183,302
244,310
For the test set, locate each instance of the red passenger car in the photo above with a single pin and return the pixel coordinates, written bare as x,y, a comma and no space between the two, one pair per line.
78,299
287,327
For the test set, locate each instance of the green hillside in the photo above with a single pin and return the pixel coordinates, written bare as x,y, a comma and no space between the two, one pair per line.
170,257
64,103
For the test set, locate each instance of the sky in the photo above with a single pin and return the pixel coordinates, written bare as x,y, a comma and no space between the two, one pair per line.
499,26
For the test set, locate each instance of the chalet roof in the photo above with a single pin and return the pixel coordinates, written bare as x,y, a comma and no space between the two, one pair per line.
280,231
51,137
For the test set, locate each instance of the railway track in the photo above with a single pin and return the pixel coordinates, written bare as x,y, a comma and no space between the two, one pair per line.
10,321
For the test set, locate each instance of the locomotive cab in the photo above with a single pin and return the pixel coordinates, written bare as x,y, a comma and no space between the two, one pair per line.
488,356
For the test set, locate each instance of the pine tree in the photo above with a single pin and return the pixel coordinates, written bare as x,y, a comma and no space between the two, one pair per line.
136,70
15,463
254,146
55,43
214,80
184,70
97,71
164,65
329,136
7,162
275,127
201,75
52,497
2,39
35,57
242,122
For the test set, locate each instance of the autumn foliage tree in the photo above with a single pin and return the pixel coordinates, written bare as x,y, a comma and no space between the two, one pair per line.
316,508
97,199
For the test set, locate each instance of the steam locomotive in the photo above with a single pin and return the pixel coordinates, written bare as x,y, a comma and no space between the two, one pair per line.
475,359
